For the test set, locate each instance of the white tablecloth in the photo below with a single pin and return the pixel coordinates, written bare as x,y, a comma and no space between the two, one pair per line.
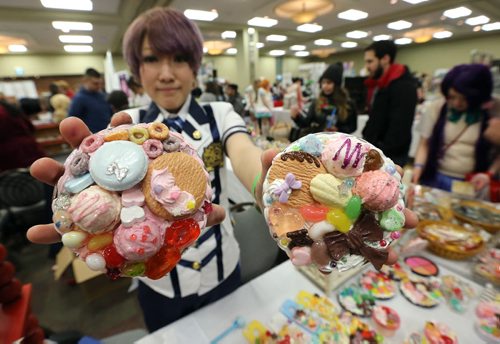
262,297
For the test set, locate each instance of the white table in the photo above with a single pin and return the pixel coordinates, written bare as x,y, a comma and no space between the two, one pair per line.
282,115
261,298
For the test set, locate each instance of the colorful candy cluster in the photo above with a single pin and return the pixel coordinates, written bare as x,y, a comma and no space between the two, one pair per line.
333,200
132,198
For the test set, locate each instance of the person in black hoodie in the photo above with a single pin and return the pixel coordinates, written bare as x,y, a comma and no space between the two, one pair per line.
333,110
392,98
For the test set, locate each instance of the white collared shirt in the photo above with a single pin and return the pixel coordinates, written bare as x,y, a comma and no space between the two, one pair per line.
202,281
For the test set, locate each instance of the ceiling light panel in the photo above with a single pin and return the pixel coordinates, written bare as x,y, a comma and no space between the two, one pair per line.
277,52
228,34
356,34
349,45
276,38
259,45
85,39
457,12
298,47
309,28
479,20
78,48
262,21
75,5
414,2
302,53
491,26
403,41
400,25
352,15
67,26
201,15
323,42
17,48
232,51
382,37
442,34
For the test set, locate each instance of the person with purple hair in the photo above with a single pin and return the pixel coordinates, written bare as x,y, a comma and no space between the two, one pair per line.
452,142
164,49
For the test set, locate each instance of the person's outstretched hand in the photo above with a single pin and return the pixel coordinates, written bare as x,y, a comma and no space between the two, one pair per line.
411,219
48,171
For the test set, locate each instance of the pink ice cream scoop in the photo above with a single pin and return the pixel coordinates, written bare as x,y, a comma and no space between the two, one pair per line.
139,242
344,156
378,190
95,210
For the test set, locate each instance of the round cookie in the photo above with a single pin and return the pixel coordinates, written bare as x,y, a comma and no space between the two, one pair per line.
188,194
129,204
335,201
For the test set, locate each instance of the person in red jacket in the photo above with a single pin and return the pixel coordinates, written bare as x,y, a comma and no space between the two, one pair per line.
18,146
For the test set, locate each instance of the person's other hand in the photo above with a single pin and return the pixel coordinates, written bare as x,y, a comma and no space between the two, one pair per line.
480,181
48,171
411,219
492,132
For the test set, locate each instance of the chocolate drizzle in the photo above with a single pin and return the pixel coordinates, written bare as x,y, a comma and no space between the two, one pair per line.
299,238
301,156
366,228
348,154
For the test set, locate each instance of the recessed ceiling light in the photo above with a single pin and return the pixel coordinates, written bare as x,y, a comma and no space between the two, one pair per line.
66,26
349,44
262,21
298,47
251,30
205,50
352,15
78,48
323,41
75,39
403,41
228,34
232,51
276,38
457,12
491,26
17,48
414,2
479,20
356,34
76,5
302,53
399,25
309,28
277,52
382,37
442,34
476,28
201,15
259,45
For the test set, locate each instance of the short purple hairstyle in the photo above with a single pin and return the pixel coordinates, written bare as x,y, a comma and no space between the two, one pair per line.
474,81
168,32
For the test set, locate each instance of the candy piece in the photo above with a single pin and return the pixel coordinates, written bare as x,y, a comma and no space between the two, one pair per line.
378,190
80,183
319,229
353,207
327,190
131,215
112,257
319,253
314,212
284,219
79,164
116,135
100,241
162,262
138,134
73,239
134,269
95,262
91,143
62,221
158,130
373,161
182,233
339,219
395,235
344,156
118,165
301,256
133,196
138,242
392,220
172,144
95,210
153,148
312,145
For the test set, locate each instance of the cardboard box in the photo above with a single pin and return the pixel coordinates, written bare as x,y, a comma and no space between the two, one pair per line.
81,271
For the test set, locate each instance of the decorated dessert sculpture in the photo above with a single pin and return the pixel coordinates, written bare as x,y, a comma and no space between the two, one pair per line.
335,201
131,199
